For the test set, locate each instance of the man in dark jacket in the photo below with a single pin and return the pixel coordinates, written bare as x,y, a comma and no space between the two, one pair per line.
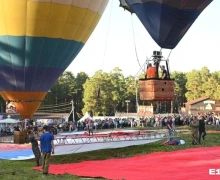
35,148
202,132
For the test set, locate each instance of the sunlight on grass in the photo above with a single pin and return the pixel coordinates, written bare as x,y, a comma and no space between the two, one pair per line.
21,170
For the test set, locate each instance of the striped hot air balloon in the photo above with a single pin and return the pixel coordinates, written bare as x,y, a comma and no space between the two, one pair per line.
38,41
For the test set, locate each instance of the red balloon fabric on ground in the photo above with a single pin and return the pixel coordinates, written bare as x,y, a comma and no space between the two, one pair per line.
192,163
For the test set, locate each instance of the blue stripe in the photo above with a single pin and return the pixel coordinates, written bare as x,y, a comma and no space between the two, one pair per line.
34,63
166,25
28,79
15,154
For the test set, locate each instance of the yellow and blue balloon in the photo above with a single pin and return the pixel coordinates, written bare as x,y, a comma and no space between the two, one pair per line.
38,41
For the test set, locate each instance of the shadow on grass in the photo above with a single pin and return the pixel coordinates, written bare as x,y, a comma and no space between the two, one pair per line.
21,170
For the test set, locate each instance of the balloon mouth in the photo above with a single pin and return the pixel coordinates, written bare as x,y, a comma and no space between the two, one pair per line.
25,103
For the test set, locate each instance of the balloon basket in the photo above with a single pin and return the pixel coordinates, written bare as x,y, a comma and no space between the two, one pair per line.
156,89
21,137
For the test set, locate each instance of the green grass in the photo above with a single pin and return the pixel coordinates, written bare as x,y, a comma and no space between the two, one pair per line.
21,170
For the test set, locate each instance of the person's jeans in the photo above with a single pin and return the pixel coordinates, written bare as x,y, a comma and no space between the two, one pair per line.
46,161
201,134
170,139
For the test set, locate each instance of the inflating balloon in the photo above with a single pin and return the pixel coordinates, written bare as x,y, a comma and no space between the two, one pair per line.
167,21
38,41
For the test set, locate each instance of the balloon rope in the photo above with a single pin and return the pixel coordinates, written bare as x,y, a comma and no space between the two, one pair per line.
169,54
135,47
140,70
168,61
102,71
107,35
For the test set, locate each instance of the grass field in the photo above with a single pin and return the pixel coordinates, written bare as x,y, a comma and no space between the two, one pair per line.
21,170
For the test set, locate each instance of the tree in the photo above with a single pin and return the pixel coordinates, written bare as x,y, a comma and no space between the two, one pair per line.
99,106
114,91
67,85
180,89
194,85
119,88
131,86
79,90
60,93
205,76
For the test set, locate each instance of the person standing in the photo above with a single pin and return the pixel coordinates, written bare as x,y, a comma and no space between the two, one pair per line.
194,124
202,132
164,72
170,128
90,123
35,148
47,147
151,71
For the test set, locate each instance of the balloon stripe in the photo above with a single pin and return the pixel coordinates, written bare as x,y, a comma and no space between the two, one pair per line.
51,75
93,5
57,23
24,73
62,57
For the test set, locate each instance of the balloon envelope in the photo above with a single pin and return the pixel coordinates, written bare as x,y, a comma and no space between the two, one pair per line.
167,21
38,41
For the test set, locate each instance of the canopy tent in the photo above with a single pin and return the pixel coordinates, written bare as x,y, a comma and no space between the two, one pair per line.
86,116
9,121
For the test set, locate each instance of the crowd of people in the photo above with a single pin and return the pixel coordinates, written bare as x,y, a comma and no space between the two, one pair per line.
8,129
44,150
117,122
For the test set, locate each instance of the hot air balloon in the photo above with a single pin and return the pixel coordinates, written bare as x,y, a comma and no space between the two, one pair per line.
38,41
167,21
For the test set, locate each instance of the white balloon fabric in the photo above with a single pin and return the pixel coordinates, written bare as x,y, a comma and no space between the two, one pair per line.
182,142
9,121
86,116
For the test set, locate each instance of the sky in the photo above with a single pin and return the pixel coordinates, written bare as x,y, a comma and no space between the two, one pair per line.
113,42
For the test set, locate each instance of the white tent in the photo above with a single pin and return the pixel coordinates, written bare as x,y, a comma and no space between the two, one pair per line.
9,121
86,116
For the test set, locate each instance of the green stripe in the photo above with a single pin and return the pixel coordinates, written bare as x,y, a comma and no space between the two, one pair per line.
27,51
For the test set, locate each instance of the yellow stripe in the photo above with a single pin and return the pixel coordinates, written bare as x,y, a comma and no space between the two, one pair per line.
43,19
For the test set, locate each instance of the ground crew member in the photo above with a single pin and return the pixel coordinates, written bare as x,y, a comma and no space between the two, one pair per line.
47,147
35,148
194,124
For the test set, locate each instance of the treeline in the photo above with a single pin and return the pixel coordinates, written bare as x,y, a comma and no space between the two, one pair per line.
105,93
